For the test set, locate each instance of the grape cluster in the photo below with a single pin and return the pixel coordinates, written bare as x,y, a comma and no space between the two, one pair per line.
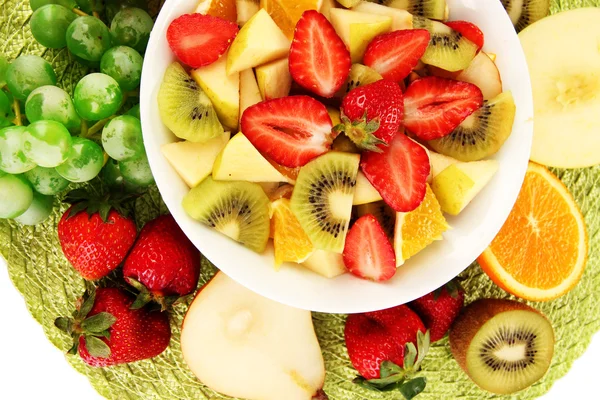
48,138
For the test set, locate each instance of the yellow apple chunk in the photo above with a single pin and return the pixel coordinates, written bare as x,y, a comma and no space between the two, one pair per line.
249,91
364,192
246,10
401,19
326,263
274,79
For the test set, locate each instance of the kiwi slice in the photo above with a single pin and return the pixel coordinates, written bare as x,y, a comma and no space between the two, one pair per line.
448,49
382,212
359,75
523,13
482,133
322,198
503,345
237,209
185,109
434,9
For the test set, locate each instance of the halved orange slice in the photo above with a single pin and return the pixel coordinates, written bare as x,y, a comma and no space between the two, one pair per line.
289,239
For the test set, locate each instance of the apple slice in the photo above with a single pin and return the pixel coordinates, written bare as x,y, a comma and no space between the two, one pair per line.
357,29
194,161
401,19
439,162
249,91
326,7
259,41
483,73
274,79
223,90
364,192
326,263
244,345
246,10
240,161
459,183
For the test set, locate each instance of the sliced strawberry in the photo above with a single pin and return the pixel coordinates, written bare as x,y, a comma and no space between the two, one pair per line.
290,130
399,173
434,106
199,40
319,59
395,54
468,30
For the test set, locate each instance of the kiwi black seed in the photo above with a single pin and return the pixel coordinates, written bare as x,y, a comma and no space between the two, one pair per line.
503,345
447,49
185,109
382,212
237,209
434,9
482,133
523,13
359,75
322,198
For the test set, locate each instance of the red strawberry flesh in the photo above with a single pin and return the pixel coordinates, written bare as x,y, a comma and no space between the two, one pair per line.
468,30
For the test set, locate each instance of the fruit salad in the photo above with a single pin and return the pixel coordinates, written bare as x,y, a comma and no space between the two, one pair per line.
343,132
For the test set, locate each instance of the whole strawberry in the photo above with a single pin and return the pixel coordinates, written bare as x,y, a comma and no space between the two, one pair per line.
372,114
163,263
94,235
106,331
439,309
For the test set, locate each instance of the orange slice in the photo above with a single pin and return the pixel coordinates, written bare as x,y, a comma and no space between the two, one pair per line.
289,239
286,13
541,251
225,9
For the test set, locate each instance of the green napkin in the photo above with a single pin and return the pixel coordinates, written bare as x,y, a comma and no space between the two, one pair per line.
50,286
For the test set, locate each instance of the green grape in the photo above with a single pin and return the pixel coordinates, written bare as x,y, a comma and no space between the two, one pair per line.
47,143
97,96
111,175
89,6
35,4
124,64
47,181
3,67
6,110
134,111
12,157
131,27
49,25
28,73
88,38
122,138
38,211
137,171
84,162
54,104
112,7
15,196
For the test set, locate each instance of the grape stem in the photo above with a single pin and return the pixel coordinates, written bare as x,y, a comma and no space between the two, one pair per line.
95,14
17,108
80,13
84,129
97,127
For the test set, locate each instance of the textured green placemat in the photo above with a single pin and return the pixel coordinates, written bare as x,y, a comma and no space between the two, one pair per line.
49,285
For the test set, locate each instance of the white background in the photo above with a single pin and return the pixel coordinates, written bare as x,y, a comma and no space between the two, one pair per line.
32,368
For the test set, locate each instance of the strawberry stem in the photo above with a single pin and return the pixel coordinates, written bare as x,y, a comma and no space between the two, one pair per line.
361,132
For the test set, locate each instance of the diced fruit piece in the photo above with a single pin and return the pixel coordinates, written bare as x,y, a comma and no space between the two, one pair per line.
368,252
16,195
260,40
525,249
228,324
483,133
357,29
468,30
458,184
319,59
434,9
526,12
274,79
185,109
359,75
372,114
225,9
447,48
399,173
223,90
326,7
199,40
483,73
440,162
434,106
249,90
326,263
383,213
289,239
394,55
290,130
349,3
237,209
419,228
240,161
194,161
364,192
503,345
334,114
322,199
287,13
246,10
401,19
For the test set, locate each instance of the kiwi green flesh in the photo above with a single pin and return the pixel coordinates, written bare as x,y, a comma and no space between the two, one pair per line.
526,12
447,49
511,351
384,214
237,209
434,9
322,198
359,75
483,133
185,109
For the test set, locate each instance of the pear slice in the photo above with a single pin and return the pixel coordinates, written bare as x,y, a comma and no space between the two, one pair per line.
194,161
439,162
349,3
259,41
244,345
459,183
223,90
249,91
326,7
364,192
326,263
357,29
483,73
240,161
246,10
274,79
401,19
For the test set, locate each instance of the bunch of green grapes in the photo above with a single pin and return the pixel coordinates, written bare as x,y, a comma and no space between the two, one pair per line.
50,138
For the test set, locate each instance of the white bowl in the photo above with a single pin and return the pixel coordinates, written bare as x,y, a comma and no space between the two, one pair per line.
472,231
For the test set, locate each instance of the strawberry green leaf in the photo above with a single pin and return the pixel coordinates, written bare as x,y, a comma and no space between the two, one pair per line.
88,301
141,300
64,324
96,347
98,323
410,355
423,342
412,388
388,368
